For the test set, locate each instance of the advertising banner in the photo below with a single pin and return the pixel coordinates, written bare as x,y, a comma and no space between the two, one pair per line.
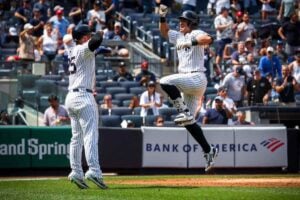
222,138
238,147
261,147
164,147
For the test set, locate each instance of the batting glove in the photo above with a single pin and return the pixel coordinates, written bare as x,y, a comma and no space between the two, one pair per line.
163,10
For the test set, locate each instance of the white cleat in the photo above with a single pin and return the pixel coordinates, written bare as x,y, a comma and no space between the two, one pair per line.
184,118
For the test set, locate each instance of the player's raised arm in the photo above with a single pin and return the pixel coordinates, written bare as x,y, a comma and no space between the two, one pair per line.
96,41
163,26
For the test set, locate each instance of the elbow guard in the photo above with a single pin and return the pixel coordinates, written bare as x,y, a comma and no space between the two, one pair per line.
95,41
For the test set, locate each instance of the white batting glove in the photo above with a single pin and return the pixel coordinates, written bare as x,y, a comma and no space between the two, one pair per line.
183,45
163,10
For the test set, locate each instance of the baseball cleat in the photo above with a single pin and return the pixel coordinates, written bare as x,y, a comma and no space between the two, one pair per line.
210,158
98,181
79,182
184,118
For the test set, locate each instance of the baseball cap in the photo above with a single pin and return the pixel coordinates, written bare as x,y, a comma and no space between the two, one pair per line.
144,65
239,14
118,24
12,31
59,12
151,83
28,26
98,3
249,39
219,98
58,7
67,38
270,49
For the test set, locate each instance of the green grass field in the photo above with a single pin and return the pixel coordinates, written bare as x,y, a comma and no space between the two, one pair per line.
121,190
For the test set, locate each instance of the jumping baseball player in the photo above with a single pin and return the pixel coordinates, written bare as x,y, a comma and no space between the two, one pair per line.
191,79
82,108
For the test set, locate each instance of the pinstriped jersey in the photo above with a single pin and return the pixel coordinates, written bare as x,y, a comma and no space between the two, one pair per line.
81,67
191,58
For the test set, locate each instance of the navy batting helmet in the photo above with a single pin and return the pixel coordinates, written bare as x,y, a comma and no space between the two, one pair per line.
80,31
191,16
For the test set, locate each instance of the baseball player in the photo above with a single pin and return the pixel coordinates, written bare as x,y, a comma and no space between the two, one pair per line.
191,79
82,108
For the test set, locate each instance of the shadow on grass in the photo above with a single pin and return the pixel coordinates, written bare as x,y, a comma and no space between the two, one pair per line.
134,187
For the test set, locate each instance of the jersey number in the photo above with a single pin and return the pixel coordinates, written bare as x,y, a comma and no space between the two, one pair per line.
72,66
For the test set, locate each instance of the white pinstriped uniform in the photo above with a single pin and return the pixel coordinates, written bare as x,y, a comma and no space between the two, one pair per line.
82,109
190,80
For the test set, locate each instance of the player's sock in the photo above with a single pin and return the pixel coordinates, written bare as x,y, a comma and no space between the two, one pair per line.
197,133
171,90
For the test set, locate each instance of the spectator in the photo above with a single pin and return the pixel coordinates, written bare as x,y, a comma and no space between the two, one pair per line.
122,74
11,39
234,82
77,12
60,22
24,13
245,29
235,7
266,9
287,86
145,75
248,4
270,64
239,57
27,43
250,66
289,32
110,7
258,89
150,100
96,17
228,51
55,115
48,43
241,119
200,110
119,35
107,102
4,118
159,121
134,102
217,115
227,101
287,7
250,47
223,25
280,52
221,4
44,8
38,22
294,68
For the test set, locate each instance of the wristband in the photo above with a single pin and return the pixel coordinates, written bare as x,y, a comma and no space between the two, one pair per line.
162,20
194,42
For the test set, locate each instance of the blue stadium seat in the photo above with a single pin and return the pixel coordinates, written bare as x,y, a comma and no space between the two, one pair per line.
121,111
106,84
110,121
123,96
137,110
149,120
129,84
136,119
115,90
137,90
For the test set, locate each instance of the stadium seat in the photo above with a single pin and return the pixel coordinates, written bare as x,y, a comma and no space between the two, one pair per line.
149,120
103,111
99,98
105,84
121,111
167,112
211,90
126,103
136,119
137,110
43,103
137,90
129,84
45,87
52,77
101,77
123,96
26,86
115,90
110,121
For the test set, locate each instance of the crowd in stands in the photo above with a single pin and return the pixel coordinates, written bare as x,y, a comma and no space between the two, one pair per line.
254,60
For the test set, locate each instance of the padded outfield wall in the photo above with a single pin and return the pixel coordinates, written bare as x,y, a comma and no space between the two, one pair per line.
153,147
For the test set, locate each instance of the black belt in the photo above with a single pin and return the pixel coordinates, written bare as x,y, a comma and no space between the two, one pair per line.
196,71
82,90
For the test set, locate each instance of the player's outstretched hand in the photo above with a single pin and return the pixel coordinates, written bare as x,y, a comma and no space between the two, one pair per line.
163,10
183,45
